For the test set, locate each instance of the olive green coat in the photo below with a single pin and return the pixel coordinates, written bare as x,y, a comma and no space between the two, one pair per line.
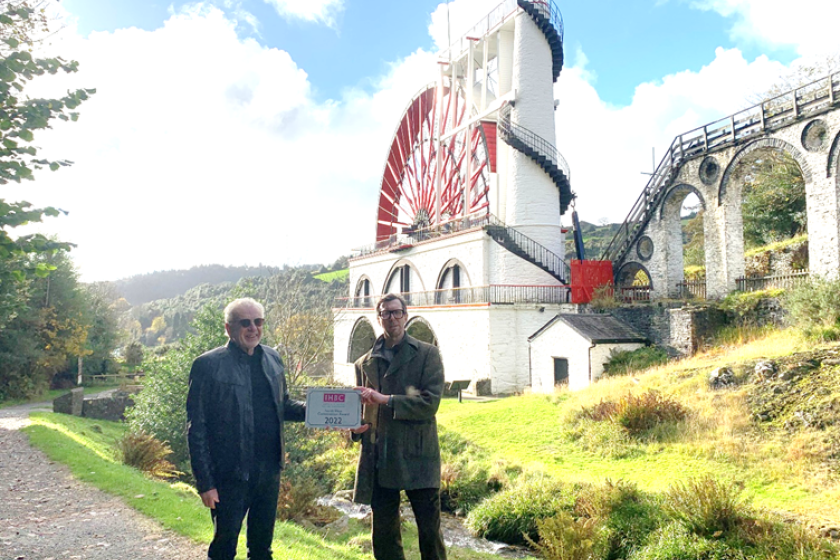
402,444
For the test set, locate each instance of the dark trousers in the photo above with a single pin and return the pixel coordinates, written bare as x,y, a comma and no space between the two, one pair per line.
387,540
257,498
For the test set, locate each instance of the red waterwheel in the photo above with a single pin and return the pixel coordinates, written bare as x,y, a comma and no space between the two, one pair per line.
425,181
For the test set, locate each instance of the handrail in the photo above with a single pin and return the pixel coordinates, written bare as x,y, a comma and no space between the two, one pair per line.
497,16
769,115
494,294
549,10
539,254
508,128
494,18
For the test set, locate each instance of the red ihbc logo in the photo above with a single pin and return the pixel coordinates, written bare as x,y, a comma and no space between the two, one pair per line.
333,397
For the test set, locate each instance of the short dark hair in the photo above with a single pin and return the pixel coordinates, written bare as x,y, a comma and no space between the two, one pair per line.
390,297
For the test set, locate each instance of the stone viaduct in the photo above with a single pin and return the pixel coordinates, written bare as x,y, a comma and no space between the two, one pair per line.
712,162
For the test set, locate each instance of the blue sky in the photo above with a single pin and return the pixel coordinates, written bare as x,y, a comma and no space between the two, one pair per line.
279,112
626,42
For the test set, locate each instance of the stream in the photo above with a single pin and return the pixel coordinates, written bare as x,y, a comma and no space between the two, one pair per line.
454,532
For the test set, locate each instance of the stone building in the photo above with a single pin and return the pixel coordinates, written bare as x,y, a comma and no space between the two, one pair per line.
573,349
468,226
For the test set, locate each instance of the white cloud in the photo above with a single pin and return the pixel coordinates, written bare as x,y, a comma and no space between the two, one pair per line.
322,11
201,147
810,27
608,148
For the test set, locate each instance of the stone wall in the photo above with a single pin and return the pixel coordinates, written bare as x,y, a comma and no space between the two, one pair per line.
693,327
682,331
793,258
651,321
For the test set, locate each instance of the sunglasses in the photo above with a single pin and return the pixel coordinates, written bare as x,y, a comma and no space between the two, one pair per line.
245,323
396,314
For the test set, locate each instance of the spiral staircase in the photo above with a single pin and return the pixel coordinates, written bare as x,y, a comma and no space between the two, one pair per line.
548,18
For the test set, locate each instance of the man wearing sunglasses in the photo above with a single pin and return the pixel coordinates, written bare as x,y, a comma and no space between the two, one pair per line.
401,382
236,406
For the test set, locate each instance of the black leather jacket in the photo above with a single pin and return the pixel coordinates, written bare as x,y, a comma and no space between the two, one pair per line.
220,416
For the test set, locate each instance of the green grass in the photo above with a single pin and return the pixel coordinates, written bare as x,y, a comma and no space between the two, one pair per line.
87,447
719,439
776,246
340,275
52,394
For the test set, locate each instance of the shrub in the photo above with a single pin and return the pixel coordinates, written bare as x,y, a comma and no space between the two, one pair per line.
603,297
627,514
706,506
744,306
626,361
160,408
147,454
637,414
675,542
562,537
512,514
468,474
299,491
815,305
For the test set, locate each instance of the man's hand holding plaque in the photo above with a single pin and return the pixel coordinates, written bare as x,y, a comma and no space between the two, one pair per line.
333,408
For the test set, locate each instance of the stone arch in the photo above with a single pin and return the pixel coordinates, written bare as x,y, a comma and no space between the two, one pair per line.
362,338
403,278
772,143
677,191
833,163
419,328
627,272
672,239
363,292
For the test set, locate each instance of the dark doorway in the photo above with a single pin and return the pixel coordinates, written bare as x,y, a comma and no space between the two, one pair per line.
561,371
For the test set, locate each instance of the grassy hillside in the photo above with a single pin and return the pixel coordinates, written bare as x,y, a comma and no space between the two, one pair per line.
752,433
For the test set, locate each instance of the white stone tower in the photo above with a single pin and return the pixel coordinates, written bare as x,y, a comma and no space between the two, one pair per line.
468,224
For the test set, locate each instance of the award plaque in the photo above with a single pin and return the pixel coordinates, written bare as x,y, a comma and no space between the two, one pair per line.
333,408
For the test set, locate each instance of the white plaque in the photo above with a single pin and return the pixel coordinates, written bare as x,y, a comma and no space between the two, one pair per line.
333,408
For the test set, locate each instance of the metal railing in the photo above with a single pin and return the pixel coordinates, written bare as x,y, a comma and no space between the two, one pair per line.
493,19
538,254
692,289
767,116
629,294
509,129
496,294
549,11
778,281
408,239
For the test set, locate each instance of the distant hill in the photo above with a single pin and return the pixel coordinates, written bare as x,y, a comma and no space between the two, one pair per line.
595,240
144,288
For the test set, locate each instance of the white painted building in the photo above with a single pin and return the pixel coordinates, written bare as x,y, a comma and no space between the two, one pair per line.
573,349
468,226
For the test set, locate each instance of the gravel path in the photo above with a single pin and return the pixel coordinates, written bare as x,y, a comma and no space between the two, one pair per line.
46,514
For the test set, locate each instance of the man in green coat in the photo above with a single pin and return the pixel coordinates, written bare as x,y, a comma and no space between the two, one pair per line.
401,382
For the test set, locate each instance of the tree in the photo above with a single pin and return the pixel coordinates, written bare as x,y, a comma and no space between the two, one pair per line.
300,309
20,117
160,408
774,206
51,328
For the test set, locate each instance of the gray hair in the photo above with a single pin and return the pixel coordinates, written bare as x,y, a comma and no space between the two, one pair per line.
233,307
391,297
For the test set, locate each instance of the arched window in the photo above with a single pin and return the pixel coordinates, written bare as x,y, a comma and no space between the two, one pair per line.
363,293
452,279
403,279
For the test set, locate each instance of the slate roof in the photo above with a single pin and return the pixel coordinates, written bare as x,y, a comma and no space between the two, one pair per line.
595,328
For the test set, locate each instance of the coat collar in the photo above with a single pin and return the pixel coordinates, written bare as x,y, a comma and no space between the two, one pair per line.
407,351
